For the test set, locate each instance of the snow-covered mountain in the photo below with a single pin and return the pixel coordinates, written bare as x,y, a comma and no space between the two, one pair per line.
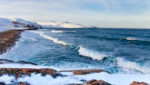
18,23
54,24
6,24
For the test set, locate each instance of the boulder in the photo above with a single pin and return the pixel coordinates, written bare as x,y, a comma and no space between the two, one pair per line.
2,83
27,71
97,82
23,83
138,83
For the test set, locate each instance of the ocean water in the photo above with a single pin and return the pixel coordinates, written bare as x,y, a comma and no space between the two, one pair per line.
124,51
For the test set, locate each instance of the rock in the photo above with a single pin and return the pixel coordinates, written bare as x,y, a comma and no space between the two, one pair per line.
3,61
27,71
97,82
2,83
83,72
138,83
8,39
23,83
91,81
24,62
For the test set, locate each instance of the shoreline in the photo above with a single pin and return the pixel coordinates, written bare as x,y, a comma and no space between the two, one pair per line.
8,39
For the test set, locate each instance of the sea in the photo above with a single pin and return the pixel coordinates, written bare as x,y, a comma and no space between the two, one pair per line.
118,51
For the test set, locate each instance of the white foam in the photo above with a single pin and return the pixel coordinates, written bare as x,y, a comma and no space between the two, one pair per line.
129,66
95,55
56,31
7,79
131,38
31,38
23,66
115,79
55,40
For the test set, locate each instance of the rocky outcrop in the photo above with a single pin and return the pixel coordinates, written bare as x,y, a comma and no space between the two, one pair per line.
28,71
23,83
83,72
97,82
8,39
26,24
94,82
138,83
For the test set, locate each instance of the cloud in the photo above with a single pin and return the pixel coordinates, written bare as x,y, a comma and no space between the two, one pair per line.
103,13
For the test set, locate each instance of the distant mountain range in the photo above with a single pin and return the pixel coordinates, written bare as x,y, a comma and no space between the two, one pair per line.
19,23
55,24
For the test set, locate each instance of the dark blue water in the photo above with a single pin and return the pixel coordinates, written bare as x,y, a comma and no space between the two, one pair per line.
115,50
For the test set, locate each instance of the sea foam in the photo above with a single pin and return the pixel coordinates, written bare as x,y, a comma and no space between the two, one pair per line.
114,79
55,40
56,31
131,38
131,67
95,55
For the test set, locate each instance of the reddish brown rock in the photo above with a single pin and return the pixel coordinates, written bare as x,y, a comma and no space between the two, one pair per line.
91,81
97,82
83,72
8,39
23,83
27,71
138,83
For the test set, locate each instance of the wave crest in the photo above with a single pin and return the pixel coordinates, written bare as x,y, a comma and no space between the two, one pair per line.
55,40
95,55
131,38
131,66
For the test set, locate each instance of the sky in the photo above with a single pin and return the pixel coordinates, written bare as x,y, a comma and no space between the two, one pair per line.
100,13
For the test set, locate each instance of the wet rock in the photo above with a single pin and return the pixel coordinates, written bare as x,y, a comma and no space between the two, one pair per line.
91,81
23,83
138,83
97,82
83,72
2,83
18,72
3,61
24,62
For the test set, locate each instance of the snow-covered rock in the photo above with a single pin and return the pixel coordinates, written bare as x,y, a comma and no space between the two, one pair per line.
6,24
18,22
54,24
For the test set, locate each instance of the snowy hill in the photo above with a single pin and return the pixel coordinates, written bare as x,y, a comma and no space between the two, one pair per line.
54,24
6,24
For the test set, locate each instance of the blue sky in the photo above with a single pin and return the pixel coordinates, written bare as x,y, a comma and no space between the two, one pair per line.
101,13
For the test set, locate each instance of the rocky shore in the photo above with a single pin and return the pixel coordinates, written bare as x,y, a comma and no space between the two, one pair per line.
8,39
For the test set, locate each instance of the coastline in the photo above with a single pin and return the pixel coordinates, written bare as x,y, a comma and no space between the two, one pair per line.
8,39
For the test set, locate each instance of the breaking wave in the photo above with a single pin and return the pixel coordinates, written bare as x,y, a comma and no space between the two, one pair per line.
56,31
129,66
95,55
55,40
131,38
